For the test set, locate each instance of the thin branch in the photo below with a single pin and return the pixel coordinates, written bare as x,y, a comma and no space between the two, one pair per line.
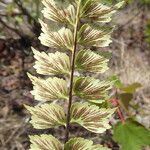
119,112
10,28
30,18
24,10
132,18
3,2
12,15
72,73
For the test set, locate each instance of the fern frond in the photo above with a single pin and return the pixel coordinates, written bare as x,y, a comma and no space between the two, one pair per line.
91,117
47,116
74,26
52,63
49,89
90,36
89,61
91,89
62,39
45,142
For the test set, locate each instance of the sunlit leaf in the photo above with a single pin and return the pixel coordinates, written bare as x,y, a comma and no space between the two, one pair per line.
62,39
91,117
91,89
131,135
91,62
45,142
49,89
125,99
91,36
94,10
48,142
82,144
57,13
131,88
47,116
51,63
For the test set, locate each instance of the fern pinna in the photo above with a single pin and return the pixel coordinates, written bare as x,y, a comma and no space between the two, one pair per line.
74,26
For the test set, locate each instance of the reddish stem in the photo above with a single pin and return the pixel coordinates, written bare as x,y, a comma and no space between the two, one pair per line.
115,103
120,115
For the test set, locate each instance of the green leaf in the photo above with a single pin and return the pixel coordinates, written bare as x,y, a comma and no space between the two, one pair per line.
131,88
82,144
117,82
131,135
47,116
45,142
89,61
91,117
89,88
49,89
52,63
125,99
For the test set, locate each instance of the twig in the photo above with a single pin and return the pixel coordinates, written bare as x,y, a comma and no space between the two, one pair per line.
131,19
10,28
12,14
30,18
24,10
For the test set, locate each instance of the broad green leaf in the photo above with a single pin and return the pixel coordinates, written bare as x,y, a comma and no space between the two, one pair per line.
89,61
125,99
82,144
54,11
91,36
62,39
51,63
131,135
131,88
45,142
91,89
49,89
94,10
47,116
91,117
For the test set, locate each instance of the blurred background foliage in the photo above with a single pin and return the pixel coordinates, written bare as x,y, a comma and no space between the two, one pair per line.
19,13
130,62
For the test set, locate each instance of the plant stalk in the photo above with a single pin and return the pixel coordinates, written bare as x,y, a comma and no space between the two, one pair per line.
121,115
72,73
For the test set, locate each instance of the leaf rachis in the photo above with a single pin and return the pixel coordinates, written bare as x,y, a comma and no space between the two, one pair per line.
72,71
